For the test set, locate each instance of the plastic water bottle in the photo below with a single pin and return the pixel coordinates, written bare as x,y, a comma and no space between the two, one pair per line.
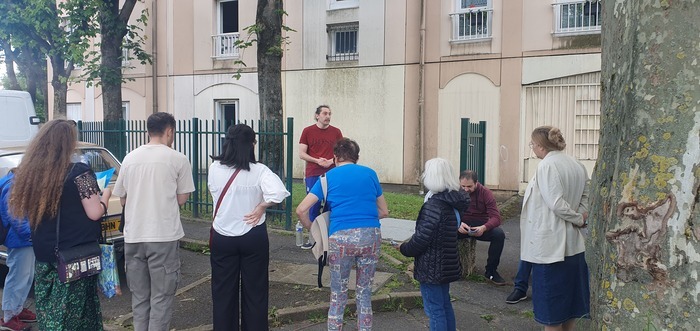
299,234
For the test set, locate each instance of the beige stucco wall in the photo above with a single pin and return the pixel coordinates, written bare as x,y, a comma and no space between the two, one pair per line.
475,97
367,105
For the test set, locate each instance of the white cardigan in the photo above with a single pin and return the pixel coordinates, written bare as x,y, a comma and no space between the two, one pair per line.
554,201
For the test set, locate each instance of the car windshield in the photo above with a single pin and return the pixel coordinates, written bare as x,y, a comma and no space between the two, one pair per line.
99,159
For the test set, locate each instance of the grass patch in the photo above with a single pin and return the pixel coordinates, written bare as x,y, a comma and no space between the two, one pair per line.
317,317
487,318
197,248
403,206
393,304
476,278
393,252
528,314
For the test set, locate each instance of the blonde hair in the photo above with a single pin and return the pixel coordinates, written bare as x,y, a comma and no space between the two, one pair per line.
439,176
549,137
38,184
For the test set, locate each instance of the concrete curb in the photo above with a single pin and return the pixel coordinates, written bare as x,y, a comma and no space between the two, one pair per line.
381,302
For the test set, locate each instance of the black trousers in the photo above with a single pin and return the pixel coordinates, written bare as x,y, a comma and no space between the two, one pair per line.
497,238
240,262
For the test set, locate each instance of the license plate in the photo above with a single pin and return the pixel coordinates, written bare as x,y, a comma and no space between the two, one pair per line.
111,224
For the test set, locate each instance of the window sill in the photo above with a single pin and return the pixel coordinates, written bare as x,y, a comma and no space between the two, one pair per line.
343,5
470,41
574,33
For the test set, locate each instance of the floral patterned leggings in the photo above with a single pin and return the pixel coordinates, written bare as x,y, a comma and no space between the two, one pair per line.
350,247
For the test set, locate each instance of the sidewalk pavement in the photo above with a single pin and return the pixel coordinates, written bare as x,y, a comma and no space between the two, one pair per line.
477,304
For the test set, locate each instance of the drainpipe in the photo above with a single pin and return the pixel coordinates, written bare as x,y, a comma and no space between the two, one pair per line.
154,65
421,93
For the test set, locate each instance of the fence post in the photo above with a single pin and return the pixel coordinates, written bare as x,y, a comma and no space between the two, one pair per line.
482,152
288,177
195,167
80,130
464,145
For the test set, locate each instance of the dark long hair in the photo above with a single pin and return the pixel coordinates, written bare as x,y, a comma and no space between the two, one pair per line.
238,150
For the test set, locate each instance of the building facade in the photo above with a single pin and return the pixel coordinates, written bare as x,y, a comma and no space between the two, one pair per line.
398,75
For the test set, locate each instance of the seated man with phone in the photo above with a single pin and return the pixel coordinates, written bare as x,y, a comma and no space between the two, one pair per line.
482,221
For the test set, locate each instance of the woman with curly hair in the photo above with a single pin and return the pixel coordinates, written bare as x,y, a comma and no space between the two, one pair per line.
48,183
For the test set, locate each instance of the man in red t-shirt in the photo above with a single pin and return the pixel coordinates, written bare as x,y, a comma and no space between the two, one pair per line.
316,148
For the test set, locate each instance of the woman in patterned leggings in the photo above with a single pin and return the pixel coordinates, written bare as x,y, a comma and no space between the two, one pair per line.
356,204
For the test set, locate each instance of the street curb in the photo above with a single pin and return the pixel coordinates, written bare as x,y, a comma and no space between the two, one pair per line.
381,302
403,300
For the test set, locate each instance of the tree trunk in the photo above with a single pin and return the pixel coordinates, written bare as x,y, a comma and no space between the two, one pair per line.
59,82
10,65
112,31
645,209
269,22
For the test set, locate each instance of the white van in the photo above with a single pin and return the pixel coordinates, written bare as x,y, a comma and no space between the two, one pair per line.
18,121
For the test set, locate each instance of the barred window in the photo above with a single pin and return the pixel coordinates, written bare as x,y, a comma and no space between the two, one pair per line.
343,42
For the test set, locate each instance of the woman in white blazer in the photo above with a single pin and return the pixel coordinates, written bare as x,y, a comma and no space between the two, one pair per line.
555,210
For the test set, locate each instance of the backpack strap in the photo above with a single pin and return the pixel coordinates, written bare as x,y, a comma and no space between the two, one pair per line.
323,260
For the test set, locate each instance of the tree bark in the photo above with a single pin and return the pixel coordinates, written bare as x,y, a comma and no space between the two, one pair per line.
112,31
59,82
10,64
644,249
269,56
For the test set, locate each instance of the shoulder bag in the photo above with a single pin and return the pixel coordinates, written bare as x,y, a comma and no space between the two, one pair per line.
319,231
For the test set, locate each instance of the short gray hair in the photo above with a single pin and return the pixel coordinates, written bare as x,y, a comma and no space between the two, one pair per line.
439,176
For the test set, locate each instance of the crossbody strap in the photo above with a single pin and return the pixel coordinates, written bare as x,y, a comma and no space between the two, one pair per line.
223,192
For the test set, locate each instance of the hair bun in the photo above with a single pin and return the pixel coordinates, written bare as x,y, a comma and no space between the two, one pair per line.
556,138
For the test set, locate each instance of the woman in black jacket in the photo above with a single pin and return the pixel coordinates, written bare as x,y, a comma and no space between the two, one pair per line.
434,244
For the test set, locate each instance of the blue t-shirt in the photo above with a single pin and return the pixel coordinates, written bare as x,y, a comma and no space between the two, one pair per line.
352,197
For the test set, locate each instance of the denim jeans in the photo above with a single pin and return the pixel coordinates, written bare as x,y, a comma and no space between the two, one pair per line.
438,307
522,278
18,281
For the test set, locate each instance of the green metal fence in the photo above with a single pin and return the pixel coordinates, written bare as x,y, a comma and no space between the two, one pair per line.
472,149
199,139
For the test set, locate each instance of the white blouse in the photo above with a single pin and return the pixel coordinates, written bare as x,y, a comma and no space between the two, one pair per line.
249,189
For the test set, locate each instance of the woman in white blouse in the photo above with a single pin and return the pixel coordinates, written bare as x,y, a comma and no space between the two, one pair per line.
242,190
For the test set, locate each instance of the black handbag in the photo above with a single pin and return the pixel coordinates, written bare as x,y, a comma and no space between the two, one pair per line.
78,261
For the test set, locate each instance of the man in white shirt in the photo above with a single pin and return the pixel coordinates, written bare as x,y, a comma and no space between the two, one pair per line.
153,182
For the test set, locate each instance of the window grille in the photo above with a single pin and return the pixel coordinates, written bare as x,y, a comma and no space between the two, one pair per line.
578,16
343,42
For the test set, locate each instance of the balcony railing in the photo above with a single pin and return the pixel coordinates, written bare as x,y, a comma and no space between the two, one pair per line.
225,45
473,24
577,17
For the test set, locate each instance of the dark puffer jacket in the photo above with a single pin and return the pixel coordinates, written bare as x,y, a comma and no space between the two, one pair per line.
434,244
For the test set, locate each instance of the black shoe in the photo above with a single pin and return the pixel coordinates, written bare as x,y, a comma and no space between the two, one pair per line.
308,245
495,278
516,296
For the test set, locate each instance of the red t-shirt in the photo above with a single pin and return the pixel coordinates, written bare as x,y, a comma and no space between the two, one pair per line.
320,143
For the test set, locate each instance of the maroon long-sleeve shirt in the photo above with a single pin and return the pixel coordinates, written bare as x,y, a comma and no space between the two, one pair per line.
482,209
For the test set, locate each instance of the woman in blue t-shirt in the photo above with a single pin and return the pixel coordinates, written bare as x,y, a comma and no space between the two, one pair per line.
356,203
